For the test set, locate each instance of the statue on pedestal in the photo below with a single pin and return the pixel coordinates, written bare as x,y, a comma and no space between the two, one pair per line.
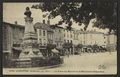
29,45
27,12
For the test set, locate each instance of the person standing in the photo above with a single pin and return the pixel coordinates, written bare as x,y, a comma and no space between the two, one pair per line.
67,53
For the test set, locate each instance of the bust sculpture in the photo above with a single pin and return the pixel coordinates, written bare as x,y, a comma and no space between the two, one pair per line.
27,12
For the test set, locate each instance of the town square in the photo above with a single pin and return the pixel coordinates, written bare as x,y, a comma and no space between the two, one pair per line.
39,38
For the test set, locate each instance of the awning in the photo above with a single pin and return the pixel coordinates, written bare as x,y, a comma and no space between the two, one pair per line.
17,48
21,59
55,51
42,48
6,51
59,48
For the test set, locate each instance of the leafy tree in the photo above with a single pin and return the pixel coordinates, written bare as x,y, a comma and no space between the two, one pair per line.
82,12
49,47
78,47
67,45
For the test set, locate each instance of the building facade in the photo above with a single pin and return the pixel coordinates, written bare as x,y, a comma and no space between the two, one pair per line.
58,36
68,37
13,34
111,42
95,38
44,36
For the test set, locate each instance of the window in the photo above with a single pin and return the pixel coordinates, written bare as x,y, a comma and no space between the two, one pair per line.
71,35
13,27
64,40
74,36
56,39
43,33
68,41
77,37
67,35
95,42
40,40
90,36
59,30
5,27
71,41
50,36
44,42
64,35
60,44
21,29
44,39
39,32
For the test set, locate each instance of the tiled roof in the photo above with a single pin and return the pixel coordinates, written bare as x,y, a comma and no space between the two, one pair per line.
42,26
54,26
87,32
17,25
93,32
50,28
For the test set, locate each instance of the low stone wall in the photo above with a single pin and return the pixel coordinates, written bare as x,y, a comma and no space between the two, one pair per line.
36,62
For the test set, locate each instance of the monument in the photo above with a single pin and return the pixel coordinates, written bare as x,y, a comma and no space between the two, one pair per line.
30,55
29,45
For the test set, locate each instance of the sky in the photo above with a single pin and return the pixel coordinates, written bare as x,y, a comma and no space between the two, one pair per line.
15,12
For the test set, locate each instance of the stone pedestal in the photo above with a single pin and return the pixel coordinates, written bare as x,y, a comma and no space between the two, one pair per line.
29,45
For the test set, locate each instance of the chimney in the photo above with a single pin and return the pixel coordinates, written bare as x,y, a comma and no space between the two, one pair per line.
15,22
43,21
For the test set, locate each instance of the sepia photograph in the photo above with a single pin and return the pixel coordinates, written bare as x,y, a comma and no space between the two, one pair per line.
60,38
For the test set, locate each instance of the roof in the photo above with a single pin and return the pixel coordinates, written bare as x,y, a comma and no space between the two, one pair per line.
88,32
55,26
59,27
50,28
39,25
93,32
6,51
14,25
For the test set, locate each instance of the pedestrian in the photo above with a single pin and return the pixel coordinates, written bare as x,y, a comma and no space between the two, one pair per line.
67,53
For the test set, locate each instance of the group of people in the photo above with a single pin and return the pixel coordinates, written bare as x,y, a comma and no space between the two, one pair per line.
87,49
84,49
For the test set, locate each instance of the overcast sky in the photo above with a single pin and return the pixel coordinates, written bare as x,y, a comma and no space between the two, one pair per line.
15,12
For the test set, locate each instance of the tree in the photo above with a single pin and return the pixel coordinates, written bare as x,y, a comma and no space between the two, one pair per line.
67,45
78,47
82,12
49,47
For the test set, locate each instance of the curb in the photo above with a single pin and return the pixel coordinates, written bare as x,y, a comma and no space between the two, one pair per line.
46,67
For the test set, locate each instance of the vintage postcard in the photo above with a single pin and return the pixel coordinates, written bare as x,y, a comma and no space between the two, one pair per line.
60,38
